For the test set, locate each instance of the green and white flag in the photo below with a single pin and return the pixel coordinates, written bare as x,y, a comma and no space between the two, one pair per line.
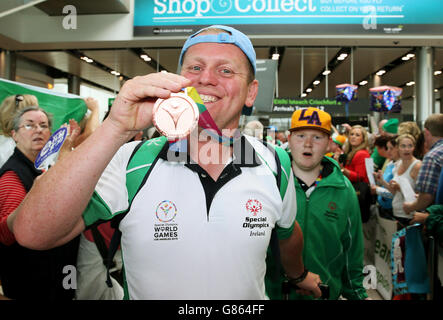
62,106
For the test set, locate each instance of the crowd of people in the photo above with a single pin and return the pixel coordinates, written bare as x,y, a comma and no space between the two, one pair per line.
195,224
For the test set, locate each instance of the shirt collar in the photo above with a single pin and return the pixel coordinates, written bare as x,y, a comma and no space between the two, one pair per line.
439,142
244,155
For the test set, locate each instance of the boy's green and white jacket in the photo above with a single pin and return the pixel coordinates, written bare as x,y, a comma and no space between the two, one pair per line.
333,237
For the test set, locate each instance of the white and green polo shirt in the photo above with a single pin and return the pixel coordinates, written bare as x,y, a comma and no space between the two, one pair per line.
186,236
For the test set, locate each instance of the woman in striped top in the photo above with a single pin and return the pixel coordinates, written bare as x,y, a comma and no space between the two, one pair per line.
25,273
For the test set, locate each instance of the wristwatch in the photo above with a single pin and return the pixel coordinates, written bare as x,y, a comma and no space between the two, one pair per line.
299,279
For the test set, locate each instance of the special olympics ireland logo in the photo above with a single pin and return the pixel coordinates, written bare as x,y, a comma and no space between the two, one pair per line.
254,206
166,211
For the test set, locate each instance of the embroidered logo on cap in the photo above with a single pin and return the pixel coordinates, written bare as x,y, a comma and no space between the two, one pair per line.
311,118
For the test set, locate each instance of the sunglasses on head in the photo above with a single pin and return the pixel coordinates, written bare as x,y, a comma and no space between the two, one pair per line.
18,98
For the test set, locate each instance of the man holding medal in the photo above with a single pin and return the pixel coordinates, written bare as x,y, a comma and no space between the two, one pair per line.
200,223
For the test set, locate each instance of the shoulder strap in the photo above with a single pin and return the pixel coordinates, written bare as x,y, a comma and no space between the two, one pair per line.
139,166
140,163
283,163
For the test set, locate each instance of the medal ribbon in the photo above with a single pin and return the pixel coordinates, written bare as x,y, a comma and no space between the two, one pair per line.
205,120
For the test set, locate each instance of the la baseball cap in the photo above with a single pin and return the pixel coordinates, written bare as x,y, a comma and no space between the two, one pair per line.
311,118
234,37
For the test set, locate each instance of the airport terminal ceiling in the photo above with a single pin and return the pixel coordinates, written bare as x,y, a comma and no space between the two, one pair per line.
364,57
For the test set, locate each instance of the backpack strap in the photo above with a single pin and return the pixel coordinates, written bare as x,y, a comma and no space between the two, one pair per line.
142,160
283,163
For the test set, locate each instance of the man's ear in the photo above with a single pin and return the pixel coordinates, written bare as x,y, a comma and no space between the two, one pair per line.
330,146
252,93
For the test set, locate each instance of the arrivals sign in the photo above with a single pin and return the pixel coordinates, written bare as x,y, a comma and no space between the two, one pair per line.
330,105
289,105
173,17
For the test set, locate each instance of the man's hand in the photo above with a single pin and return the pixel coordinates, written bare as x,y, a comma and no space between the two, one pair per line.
92,104
393,186
419,217
132,109
423,201
309,286
408,206
73,133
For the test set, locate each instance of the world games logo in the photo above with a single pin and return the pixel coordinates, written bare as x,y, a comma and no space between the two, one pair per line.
166,211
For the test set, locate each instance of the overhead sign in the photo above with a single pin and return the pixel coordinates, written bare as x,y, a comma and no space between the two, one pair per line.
172,17
289,105
330,105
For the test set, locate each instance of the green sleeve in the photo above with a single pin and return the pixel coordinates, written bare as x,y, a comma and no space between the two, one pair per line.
284,233
353,247
434,222
97,210
378,159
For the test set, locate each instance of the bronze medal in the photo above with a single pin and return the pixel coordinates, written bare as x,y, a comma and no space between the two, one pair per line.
176,116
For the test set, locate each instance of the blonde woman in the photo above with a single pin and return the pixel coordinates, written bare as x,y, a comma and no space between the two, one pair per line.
412,128
356,150
405,171
8,108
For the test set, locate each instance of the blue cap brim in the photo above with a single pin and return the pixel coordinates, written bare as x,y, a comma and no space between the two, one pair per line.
235,37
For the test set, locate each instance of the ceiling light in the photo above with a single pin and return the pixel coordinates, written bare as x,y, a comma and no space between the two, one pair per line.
308,90
435,90
362,83
115,73
316,82
410,83
275,56
405,58
145,57
410,55
88,60
436,73
303,95
342,56
381,72
326,72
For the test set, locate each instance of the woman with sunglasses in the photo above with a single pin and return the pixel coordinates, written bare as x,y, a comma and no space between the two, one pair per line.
25,273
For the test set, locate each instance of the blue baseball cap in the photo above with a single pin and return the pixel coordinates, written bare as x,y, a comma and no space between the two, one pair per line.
235,37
